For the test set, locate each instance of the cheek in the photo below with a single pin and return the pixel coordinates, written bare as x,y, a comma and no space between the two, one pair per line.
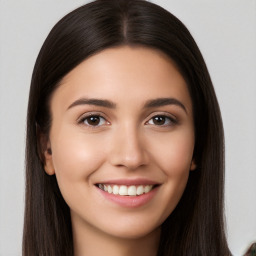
173,153
75,157
173,156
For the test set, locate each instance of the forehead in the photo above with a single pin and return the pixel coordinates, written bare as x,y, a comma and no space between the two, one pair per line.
129,74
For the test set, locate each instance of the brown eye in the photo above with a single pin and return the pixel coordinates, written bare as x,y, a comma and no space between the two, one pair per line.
161,120
93,120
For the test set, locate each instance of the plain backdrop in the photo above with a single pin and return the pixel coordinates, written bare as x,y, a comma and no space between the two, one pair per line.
225,31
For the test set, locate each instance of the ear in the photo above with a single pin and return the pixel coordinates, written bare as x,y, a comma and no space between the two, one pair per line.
193,165
44,151
48,163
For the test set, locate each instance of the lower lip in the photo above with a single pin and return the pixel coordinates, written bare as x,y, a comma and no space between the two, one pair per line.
129,201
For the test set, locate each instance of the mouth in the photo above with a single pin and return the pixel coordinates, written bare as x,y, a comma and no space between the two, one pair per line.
124,190
128,193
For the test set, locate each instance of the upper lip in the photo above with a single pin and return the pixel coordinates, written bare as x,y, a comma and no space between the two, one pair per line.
128,182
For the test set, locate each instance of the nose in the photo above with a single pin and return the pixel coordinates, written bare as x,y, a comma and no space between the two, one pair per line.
128,149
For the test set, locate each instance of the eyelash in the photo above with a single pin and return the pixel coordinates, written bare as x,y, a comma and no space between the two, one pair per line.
84,119
171,120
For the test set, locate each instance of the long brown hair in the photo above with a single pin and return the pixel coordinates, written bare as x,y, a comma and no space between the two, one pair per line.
196,225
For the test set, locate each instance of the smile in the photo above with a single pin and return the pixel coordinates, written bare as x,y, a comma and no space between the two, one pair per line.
123,190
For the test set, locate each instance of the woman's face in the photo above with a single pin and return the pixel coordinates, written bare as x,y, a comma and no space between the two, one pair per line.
122,140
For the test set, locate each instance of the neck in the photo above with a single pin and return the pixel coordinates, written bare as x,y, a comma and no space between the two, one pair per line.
91,241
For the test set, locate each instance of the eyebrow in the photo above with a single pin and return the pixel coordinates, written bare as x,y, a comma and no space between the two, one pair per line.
164,102
95,102
159,102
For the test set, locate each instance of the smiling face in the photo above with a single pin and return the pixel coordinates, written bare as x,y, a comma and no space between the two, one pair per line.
122,140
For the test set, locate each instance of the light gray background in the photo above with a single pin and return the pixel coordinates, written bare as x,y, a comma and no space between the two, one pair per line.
225,31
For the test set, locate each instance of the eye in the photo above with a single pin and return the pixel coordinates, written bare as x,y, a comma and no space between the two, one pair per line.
93,120
161,120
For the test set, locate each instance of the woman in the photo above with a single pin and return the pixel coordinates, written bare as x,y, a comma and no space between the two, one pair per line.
124,138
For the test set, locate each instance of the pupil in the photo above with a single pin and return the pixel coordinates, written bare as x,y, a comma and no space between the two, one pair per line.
93,120
159,120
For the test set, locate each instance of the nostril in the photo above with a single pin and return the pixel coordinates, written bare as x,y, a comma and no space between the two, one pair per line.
127,149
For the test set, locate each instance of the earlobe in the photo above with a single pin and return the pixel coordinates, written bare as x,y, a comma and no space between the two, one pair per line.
45,152
48,163
193,165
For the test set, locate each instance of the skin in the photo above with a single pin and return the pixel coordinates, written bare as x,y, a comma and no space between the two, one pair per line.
128,142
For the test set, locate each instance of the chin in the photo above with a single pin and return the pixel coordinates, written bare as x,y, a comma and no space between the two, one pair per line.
132,229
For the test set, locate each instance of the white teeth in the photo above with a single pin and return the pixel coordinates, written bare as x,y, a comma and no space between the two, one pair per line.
132,191
148,188
109,189
126,190
115,189
123,190
140,190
